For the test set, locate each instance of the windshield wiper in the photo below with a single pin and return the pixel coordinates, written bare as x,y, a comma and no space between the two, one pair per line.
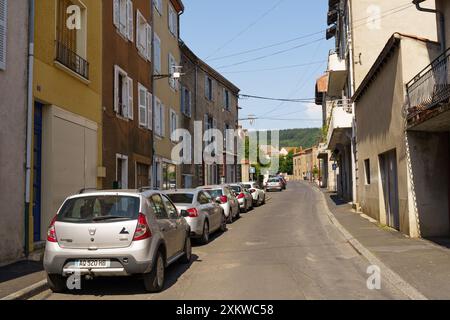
108,218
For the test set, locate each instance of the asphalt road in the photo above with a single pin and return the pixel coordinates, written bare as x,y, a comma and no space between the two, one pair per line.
287,249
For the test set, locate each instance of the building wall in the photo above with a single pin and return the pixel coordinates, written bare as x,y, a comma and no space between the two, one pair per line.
168,96
123,136
57,88
13,92
370,37
443,6
381,129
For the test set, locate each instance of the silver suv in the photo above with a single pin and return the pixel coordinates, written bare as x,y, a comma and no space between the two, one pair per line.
116,233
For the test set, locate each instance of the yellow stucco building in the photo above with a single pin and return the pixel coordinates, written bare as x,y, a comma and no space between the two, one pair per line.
67,85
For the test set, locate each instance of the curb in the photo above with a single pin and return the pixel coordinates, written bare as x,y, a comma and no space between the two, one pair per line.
391,276
28,292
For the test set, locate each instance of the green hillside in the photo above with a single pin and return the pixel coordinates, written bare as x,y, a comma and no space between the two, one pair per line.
305,138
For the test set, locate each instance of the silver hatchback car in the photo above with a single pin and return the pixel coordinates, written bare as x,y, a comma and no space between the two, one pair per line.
116,233
203,214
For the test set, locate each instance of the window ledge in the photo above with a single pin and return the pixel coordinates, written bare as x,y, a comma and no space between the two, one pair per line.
62,67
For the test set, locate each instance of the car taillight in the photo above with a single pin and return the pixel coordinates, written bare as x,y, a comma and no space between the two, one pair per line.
193,213
51,233
142,230
241,196
224,199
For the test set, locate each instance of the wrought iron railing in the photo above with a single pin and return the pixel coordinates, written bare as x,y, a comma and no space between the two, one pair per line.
72,60
430,87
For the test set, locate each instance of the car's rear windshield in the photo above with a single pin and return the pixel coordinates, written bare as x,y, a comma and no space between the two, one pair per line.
236,188
181,197
99,209
215,193
247,186
274,180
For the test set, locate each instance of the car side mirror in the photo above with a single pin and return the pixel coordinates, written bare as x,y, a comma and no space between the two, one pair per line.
184,213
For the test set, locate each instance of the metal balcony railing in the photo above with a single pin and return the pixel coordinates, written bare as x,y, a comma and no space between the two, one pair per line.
71,60
430,87
345,104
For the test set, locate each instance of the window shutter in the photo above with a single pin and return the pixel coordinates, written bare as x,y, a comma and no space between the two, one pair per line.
157,49
150,111
206,87
205,119
163,120
130,24
123,22
130,98
157,116
183,99
149,42
190,103
116,13
138,31
169,18
116,89
142,101
3,32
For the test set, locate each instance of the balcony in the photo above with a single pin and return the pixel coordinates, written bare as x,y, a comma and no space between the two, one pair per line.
340,124
337,74
428,93
71,60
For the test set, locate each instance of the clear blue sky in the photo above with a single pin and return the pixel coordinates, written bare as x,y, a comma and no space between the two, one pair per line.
215,28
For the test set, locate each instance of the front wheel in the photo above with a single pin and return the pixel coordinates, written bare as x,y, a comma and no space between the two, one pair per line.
205,236
56,283
186,258
154,281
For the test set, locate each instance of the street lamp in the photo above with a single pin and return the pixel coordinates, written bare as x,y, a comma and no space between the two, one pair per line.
175,75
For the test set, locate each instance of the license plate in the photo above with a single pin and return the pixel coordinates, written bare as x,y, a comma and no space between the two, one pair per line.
93,263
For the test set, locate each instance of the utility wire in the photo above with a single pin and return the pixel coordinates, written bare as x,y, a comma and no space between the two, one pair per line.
276,99
278,68
246,28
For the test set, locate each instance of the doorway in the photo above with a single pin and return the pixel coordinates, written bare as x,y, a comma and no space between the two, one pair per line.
37,172
389,182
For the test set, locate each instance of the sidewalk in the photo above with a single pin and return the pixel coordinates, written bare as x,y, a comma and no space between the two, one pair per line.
422,263
19,276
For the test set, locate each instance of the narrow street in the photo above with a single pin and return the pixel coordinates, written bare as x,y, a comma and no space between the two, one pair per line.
287,249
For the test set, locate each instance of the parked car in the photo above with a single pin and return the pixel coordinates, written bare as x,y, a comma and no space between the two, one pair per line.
258,194
116,233
274,184
244,197
283,181
225,196
203,214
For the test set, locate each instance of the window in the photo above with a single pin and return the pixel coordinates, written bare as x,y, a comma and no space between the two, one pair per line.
123,18
173,125
173,21
169,175
172,68
71,42
226,99
142,175
171,209
157,53
123,93
186,101
121,172
158,207
145,107
158,6
367,171
160,127
209,88
143,36
3,30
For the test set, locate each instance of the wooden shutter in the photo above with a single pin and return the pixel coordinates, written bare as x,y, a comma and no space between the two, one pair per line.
149,42
116,89
150,111
142,102
3,32
130,98
183,99
116,13
157,116
163,120
130,24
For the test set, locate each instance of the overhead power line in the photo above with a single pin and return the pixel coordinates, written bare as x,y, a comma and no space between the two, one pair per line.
278,68
277,99
246,28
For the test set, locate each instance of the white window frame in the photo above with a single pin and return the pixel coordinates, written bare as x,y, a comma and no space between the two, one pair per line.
172,20
173,123
127,94
158,6
160,118
143,106
172,63
141,23
3,36
157,53
123,18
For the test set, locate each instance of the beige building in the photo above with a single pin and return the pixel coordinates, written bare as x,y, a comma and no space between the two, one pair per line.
13,115
360,28
306,165
166,91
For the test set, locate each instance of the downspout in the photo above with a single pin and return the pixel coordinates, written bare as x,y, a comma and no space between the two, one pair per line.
441,18
29,151
152,79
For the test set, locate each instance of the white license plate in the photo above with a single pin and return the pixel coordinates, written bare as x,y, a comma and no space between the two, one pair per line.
93,263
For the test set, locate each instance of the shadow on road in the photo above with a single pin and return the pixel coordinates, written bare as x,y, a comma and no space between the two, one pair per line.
19,269
122,286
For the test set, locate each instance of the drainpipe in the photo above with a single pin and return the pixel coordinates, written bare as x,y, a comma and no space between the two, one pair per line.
31,12
441,18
